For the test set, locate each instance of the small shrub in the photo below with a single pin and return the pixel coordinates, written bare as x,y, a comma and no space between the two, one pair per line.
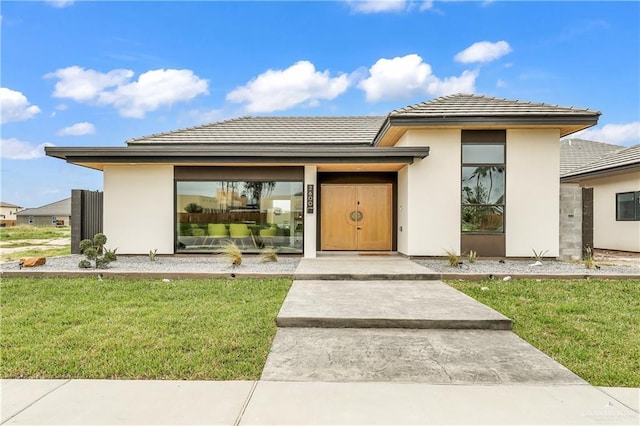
95,251
232,252
453,258
539,255
269,254
473,256
589,263
84,263
152,255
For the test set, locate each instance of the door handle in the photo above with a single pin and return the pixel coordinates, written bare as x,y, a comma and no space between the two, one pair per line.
359,228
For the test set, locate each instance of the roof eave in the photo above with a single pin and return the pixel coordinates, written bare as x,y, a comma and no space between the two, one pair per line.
609,171
577,122
249,154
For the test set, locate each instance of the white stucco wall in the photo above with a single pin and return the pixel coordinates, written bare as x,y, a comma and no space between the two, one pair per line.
429,211
608,233
138,208
403,217
532,192
310,222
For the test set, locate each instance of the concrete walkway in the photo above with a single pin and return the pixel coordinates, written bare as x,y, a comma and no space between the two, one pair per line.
126,402
383,348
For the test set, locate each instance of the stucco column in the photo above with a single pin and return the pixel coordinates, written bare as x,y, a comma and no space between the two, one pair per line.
310,229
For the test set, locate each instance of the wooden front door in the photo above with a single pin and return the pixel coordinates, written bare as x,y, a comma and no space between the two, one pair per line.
356,217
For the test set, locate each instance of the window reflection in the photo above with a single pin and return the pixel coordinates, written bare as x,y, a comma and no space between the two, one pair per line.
254,214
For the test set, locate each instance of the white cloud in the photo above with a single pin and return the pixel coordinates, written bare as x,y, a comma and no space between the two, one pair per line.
377,6
15,149
83,85
501,83
483,51
78,129
395,78
403,77
14,106
60,3
387,6
619,134
447,86
276,90
153,89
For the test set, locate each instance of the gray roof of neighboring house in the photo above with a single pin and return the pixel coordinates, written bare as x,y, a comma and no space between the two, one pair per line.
465,105
274,131
58,208
3,204
623,159
576,153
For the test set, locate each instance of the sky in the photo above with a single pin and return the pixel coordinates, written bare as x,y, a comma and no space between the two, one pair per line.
96,73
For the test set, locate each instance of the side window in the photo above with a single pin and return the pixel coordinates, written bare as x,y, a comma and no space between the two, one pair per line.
628,206
30,220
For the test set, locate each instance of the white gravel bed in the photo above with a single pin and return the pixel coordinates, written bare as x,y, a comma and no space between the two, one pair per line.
193,264
288,264
519,266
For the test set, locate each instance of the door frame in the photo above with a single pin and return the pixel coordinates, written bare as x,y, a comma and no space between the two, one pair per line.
360,178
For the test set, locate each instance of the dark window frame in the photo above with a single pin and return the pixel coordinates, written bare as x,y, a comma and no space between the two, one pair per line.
636,206
492,140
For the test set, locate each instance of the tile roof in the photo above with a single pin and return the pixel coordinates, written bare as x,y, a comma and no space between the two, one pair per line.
623,158
465,105
576,153
58,208
274,131
3,204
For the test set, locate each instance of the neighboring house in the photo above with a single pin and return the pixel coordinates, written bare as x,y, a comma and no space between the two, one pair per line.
608,189
8,213
457,173
54,214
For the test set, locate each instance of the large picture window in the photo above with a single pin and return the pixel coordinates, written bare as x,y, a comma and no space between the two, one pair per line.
483,187
252,213
628,206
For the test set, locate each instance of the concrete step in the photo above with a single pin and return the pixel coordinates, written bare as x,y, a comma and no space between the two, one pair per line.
412,356
354,267
385,304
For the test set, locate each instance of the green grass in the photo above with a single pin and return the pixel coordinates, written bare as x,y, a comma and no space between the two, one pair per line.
25,232
48,252
137,329
590,326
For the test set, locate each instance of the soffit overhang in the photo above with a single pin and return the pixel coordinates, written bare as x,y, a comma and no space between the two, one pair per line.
97,158
394,128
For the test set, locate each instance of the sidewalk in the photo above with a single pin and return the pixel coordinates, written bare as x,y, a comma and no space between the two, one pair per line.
124,402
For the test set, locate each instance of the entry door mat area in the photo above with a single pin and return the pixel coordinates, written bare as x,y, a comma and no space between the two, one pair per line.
411,356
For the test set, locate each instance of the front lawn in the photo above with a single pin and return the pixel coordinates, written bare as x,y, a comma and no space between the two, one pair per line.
28,232
590,326
214,329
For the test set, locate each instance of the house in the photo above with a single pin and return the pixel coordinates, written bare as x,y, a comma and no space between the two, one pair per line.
8,213
54,214
605,186
456,173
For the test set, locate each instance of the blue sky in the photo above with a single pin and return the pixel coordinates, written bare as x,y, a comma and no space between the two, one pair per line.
93,73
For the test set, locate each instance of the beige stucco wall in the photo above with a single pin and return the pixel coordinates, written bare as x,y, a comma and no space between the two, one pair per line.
429,210
608,233
138,208
532,192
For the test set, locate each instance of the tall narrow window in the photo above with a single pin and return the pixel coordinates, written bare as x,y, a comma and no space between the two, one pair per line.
483,187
